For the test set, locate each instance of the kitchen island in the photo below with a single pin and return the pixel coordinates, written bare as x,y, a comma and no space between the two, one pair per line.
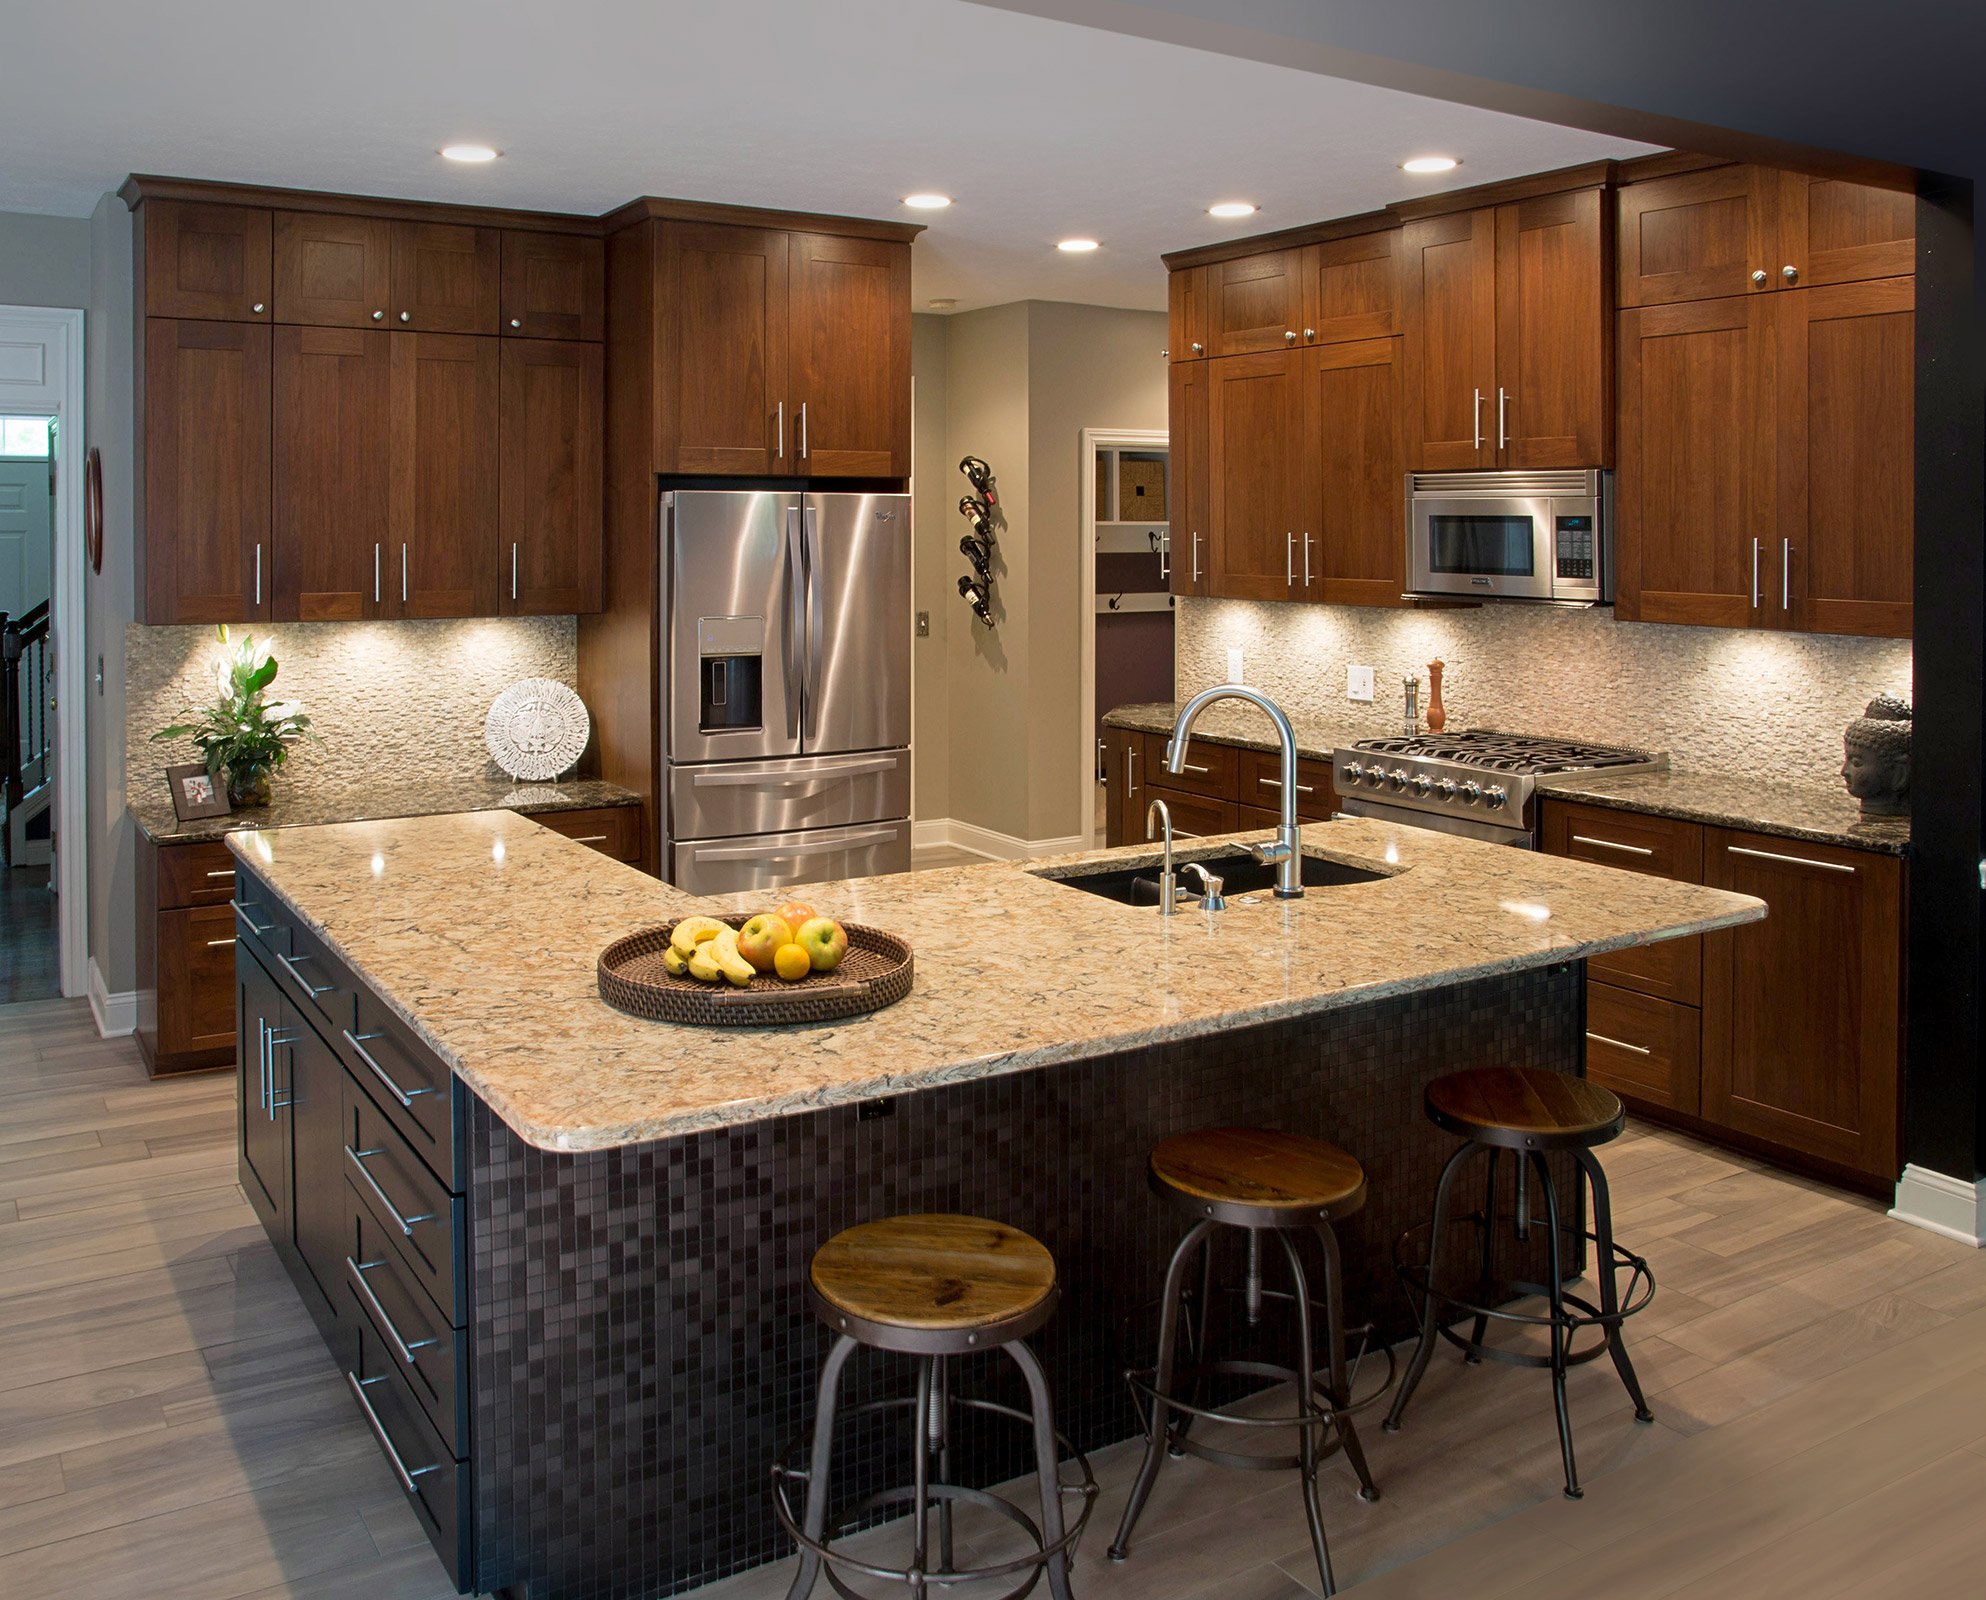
563,1251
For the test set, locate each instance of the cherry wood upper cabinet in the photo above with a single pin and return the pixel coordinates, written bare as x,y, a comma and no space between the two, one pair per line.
1835,232
1554,333
1450,318
1256,475
1188,424
1694,497
722,354
446,277
1846,391
204,519
1351,288
334,271
444,463
1255,303
1354,399
554,285
1801,1026
205,261
850,356
328,500
549,544
1186,320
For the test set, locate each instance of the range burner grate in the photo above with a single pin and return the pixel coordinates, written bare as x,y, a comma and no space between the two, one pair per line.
1507,752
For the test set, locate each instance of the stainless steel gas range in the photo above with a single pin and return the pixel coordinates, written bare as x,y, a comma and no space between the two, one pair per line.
1479,783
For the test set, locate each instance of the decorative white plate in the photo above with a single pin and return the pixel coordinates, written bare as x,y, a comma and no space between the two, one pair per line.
537,729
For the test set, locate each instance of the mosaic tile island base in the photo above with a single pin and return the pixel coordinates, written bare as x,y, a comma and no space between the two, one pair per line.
641,1200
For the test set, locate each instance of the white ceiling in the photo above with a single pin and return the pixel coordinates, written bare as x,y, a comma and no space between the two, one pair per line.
1039,129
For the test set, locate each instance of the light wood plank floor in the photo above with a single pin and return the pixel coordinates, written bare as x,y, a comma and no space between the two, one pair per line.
170,1426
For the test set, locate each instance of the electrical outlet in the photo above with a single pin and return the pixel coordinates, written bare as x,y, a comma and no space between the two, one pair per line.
1234,667
923,624
1358,684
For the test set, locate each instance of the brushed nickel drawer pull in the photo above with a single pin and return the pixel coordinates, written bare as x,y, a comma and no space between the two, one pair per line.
588,838
290,966
1619,1044
225,872
254,927
1609,844
358,1043
405,1350
358,1159
400,1468
1798,861
1277,783
216,944
1187,766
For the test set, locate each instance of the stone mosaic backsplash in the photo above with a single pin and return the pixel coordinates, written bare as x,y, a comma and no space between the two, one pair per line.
393,701
1716,699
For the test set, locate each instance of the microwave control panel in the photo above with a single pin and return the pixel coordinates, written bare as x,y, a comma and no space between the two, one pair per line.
1574,536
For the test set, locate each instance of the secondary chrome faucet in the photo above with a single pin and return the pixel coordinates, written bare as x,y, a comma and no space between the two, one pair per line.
1159,811
1286,854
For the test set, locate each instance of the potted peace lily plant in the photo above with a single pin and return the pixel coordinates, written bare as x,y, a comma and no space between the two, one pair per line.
242,734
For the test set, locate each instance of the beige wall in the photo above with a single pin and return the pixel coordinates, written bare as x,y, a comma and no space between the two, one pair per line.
1020,383
44,261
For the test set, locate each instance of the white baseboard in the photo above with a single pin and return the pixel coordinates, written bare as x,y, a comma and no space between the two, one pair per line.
949,832
116,1014
1954,1207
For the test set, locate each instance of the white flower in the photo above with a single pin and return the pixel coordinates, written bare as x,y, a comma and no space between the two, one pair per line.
283,710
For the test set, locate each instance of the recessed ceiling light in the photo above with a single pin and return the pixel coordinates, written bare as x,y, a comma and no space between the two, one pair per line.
1232,208
927,202
468,152
945,304
1430,164
1077,247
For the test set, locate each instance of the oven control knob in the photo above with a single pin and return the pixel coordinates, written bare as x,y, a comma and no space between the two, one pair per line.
1399,777
1497,795
1422,784
1376,776
1446,788
1472,791
1353,771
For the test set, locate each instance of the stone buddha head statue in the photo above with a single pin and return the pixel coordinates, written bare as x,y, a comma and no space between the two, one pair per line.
1876,758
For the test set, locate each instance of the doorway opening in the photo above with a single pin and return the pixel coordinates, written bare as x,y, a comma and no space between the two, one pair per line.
30,957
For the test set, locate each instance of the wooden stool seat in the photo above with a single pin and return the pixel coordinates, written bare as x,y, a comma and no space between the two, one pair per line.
1258,1178
1520,1108
934,1282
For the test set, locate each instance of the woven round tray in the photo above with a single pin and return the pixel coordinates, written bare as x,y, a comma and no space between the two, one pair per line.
874,973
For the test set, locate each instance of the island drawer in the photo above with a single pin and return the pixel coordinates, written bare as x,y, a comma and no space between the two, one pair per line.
1259,782
434,1482
195,875
411,1085
432,1354
420,1219
1209,769
1650,1050
612,830
306,971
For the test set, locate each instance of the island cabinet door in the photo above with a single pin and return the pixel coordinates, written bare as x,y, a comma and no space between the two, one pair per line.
1801,1015
1257,473
262,1080
321,1204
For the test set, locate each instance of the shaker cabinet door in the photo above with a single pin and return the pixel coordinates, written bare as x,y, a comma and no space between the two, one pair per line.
1188,527
1255,303
334,271
328,501
723,352
206,261
1451,341
446,278
549,549
443,494
1554,334
1256,475
554,286
1352,436
850,364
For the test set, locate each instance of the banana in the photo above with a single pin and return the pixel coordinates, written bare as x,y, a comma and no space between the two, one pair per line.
703,966
737,971
674,964
693,931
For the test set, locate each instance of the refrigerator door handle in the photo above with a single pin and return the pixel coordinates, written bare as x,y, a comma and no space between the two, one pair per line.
816,621
759,776
762,851
796,622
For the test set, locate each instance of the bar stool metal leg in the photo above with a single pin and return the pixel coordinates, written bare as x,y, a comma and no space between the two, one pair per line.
940,1440
1603,1229
1486,1258
1430,1323
1339,1375
1560,1331
1196,1342
1045,1463
1306,1407
817,1464
1156,1436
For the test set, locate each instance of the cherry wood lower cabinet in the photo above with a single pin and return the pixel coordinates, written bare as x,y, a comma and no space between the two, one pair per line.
186,957
1234,787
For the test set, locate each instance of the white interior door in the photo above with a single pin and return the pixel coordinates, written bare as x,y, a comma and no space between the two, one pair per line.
27,535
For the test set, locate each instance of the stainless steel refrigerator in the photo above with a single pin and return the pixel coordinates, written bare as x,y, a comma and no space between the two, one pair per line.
785,687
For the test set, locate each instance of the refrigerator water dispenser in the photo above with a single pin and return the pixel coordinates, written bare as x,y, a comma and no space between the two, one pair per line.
731,673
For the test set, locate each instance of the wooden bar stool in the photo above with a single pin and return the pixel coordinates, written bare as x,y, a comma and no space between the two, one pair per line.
1273,1185
1530,1113
934,1287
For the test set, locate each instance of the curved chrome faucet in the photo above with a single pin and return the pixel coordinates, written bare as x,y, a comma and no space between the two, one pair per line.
1159,811
1287,852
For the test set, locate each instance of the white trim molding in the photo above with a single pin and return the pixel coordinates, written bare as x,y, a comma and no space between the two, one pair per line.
116,1014
950,833
1954,1207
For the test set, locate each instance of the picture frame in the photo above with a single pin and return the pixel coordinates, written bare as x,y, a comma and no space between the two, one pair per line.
196,793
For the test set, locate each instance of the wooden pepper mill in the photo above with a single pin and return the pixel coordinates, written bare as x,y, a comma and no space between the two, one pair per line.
1437,718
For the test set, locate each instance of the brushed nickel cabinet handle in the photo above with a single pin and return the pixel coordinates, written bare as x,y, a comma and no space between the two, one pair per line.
254,927
1196,555
1619,1044
1306,561
1785,574
803,430
1759,276
358,1160
375,572
379,316
1790,273
1502,404
1754,574
517,322
1798,861
401,1470
219,944
406,316
1187,766
1277,783
1289,559
1476,422
403,572
1289,336
587,838
1310,333
779,431
1609,844
1198,347
357,1041
258,572
257,307
290,966
224,872
357,1271
513,571
1130,772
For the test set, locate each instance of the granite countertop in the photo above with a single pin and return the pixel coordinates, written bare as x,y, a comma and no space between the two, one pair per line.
1762,805
482,931
297,807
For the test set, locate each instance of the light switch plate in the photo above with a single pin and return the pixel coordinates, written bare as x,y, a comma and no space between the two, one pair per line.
923,624
1358,684
1234,667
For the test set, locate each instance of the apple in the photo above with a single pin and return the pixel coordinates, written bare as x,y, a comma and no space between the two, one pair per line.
794,913
824,941
791,962
761,937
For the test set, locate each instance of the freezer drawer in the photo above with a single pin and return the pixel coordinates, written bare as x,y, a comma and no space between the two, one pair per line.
773,860
725,800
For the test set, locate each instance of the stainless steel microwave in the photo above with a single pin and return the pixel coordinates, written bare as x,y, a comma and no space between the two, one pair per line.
1511,536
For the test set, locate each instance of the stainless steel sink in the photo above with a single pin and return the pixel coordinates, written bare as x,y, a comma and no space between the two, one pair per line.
1239,872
